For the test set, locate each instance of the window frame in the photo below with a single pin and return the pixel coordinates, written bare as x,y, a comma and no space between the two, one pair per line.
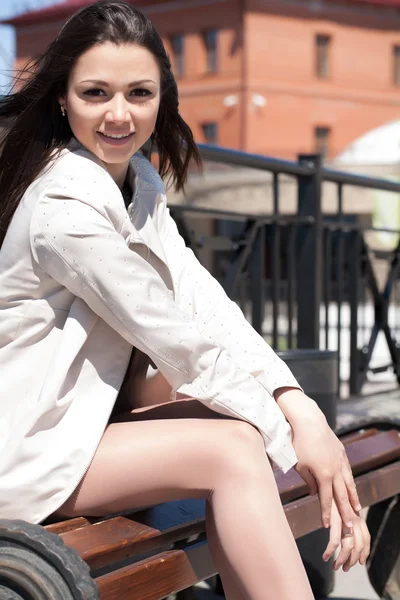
204,126
396,64
322,47
178,54
210,40
322,142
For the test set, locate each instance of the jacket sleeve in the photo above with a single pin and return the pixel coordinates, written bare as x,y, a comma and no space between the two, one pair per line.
220,319
78,246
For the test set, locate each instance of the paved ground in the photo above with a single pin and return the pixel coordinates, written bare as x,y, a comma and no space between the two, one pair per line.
377,405
353,584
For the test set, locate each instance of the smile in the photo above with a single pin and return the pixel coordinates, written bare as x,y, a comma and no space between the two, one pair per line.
116,136
115,139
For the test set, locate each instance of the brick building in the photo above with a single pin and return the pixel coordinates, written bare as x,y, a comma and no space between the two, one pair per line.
276,77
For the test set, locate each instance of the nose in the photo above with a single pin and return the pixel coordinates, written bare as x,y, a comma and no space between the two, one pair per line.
118,110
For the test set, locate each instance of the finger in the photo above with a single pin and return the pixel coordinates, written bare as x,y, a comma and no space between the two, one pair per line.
310,481
350,562
357,549
367,543
334,534
345,552
351,486
353,559
342,500
325,498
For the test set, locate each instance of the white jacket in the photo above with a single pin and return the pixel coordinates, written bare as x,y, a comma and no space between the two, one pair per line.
82,281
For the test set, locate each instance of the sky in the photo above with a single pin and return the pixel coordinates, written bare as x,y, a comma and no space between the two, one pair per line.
9,8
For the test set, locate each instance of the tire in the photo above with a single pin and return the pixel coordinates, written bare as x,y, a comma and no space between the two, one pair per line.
383,565
37,565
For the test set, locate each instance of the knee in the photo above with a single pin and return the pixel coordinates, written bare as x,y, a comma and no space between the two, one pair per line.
244,435
242,449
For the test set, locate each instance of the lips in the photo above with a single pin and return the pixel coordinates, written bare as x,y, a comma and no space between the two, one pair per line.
115,141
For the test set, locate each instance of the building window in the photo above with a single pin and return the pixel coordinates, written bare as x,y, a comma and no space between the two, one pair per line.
178,54
396,65
322,55
210,133
322,142
210,41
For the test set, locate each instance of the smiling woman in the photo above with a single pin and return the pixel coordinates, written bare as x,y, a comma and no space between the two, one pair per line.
96,285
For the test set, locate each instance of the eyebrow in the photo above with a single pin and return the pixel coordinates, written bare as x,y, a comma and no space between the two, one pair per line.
105,84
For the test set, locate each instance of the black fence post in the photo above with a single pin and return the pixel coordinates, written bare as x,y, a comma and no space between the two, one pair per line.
309,255
257,280
357,364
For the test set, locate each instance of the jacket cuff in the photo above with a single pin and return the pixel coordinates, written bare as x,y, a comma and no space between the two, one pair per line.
271,383
281,453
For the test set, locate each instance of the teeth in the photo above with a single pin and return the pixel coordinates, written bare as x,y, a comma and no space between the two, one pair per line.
116,136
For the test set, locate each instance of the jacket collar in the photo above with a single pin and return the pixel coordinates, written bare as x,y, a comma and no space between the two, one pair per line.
143,228
141,208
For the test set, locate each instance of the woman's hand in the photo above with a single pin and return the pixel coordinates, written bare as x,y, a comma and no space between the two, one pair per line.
355,543
322,459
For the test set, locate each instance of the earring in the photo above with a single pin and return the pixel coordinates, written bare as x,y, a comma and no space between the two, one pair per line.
63,111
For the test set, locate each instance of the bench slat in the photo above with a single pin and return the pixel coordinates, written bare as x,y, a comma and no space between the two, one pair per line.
120,538
159,576
361,434
68,525
153,578
168,572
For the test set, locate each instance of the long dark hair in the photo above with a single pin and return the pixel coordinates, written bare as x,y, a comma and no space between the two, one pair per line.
35,130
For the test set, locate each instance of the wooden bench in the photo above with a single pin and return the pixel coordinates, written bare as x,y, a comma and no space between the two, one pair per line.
150,554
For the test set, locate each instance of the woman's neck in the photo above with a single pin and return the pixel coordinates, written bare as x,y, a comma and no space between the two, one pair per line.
118,172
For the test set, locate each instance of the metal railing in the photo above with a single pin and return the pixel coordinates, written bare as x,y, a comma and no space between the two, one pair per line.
288,271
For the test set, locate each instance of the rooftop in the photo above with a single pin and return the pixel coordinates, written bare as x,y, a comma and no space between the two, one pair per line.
62,10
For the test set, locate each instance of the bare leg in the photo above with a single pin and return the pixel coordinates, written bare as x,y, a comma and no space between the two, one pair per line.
189,408
231,583
224,462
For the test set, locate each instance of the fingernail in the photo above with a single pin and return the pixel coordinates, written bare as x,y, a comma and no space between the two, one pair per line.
359,507
349,523
325,559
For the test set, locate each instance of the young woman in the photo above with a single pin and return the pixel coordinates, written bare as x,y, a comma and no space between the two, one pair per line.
96,284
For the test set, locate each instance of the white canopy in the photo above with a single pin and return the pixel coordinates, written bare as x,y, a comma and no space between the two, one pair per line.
380,146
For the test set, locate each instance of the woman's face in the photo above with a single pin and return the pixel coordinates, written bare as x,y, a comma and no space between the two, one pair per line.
112,102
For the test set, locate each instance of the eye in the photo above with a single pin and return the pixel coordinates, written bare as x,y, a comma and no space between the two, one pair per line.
94,92
142,92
